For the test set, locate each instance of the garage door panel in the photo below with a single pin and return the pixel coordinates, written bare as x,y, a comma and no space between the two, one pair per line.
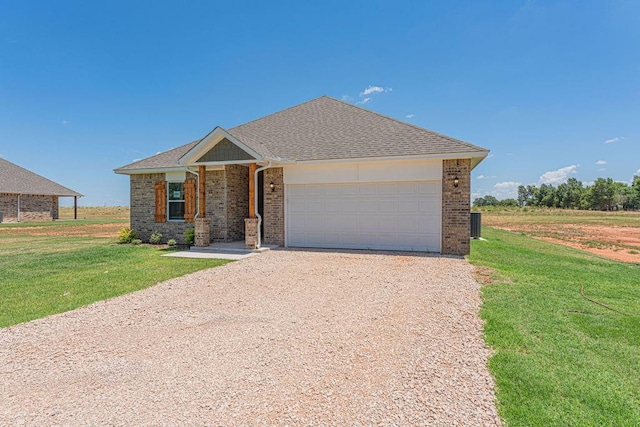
389,215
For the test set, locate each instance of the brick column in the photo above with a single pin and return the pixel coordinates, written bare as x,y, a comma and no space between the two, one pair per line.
273,215
456,207
251,232
202,232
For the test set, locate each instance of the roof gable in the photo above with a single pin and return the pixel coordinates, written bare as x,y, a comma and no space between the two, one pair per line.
225,151
18,180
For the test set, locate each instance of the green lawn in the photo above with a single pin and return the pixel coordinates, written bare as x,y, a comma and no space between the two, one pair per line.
46,274
559,359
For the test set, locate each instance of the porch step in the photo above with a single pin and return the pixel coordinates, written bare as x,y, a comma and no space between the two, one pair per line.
230,247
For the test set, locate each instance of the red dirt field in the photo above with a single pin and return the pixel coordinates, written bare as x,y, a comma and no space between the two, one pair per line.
613,242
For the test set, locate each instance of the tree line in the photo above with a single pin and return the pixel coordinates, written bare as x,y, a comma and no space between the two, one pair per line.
604,194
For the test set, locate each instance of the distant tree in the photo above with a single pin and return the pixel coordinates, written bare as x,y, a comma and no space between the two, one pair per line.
569,194
525,195
509,202
634,202
601,195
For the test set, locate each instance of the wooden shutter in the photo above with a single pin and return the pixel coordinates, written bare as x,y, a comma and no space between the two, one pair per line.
161,201
189,200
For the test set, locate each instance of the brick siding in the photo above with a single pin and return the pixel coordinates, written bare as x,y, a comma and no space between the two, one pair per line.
237,200
227,205
456,207
273,215
32,208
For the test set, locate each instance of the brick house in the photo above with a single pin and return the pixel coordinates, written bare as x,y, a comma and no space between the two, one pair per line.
26,196
324,174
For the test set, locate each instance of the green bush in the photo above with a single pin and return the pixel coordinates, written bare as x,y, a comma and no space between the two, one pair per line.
171,242
189,236
126,235
136,241
156,238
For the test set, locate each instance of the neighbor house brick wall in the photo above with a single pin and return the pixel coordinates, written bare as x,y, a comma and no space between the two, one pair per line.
143,210
55,207
456,209
32,208
237,200
273,216
9,207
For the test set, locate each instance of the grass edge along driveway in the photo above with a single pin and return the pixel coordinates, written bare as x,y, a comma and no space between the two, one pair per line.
46,274
558,358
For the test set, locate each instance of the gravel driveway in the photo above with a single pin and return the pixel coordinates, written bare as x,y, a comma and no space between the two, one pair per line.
284,338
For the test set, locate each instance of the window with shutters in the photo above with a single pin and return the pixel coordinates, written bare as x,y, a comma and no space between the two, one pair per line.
175,201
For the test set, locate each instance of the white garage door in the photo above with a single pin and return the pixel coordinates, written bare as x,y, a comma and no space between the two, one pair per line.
377,215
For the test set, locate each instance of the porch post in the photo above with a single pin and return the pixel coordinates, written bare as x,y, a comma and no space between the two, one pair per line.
251,223
75,207
202,191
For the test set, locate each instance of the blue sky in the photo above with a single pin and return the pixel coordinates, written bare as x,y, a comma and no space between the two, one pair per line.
552,88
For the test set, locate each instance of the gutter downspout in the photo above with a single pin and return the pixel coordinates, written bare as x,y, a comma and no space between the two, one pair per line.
255,201
197,192
18,217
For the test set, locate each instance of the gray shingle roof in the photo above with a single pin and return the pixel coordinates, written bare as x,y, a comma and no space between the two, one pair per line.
326,129
18,180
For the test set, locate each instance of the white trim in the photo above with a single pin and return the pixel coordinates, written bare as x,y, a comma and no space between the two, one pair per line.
210,167
443,156
210,141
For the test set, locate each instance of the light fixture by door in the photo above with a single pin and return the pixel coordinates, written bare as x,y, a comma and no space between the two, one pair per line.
456,182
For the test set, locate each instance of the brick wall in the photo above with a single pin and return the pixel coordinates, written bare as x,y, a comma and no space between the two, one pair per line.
32,208
456,207
143,205
9,207
227,205
237,200
273,215
217,204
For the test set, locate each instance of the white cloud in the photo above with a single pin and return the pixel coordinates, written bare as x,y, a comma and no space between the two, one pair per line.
410,116
346,98
612,140
136,160
364,101
602,169
601,162
506,190
637,172
485,177
372,89
65,122
558,176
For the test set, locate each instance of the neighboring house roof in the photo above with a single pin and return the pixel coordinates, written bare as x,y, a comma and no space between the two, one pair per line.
328,129
18,180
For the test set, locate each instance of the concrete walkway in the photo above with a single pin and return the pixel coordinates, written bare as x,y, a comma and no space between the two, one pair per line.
221,250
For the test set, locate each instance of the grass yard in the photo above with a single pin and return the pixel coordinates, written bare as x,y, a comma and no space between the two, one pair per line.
51,267
559,359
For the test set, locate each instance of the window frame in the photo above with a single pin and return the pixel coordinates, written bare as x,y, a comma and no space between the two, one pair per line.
169,201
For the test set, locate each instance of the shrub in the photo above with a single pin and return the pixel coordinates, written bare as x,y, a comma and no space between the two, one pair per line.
126,235
136,241
171,242
156,238
189,236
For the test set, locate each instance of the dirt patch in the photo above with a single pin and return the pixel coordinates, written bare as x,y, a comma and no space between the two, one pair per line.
616,243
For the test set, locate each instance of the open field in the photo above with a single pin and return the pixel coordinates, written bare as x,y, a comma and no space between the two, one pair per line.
52,267
614,235
559,359
96,212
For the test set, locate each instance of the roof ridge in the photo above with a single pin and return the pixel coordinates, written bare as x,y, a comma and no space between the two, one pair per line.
402,122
